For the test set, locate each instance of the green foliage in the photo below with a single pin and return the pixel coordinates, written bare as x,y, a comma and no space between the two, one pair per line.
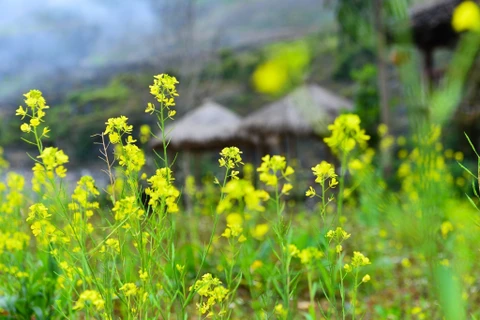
366,97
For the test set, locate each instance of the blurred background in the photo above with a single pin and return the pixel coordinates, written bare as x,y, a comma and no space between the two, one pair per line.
273,72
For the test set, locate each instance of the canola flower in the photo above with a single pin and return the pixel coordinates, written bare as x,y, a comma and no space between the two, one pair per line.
323,172
358,260
126,208
259,231
230,158
242,191
270,77
338,235
162,192
145,133
35,110
274,168
164,90
52,160
89,297
210,288
116,127
283,69
129,289
234,231
308,255
346,134
466,17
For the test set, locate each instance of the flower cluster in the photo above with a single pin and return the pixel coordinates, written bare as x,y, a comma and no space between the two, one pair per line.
274,168
210,288
126,208
234,231
13,241
323,172
230,158
84,189
162,192
42,228
346,134
131,157
35,110
54,159
116,128
242,191
14,198
307,256
129,289
89,297
358,260
164,90
338,235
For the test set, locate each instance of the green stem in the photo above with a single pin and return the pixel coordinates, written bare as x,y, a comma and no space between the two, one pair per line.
343,172
312,295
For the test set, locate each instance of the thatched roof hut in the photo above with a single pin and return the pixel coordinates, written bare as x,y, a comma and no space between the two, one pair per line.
208,126
431,24
307,110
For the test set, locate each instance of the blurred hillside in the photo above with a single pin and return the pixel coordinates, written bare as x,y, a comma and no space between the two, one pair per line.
61,43
94,60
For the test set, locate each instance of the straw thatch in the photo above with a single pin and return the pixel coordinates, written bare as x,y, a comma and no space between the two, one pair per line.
208,126
307,110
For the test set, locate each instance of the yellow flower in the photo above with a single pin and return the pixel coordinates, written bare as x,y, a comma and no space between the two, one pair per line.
145,133
260,231
234,219
286,188
310,192
129,289
212,289
346,134
21,112
92,297
339,235
359,260
293,250
25,127
255,265
309,255
280,311
234,231
113,244
466,17
366,278
164,90
458,156
162,190
347,268
271,167
230,157
446,228
118,125
34,122
382,130
270,77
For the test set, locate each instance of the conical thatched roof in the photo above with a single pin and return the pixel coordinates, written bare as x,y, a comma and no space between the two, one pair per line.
432,24
307,110
208,126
